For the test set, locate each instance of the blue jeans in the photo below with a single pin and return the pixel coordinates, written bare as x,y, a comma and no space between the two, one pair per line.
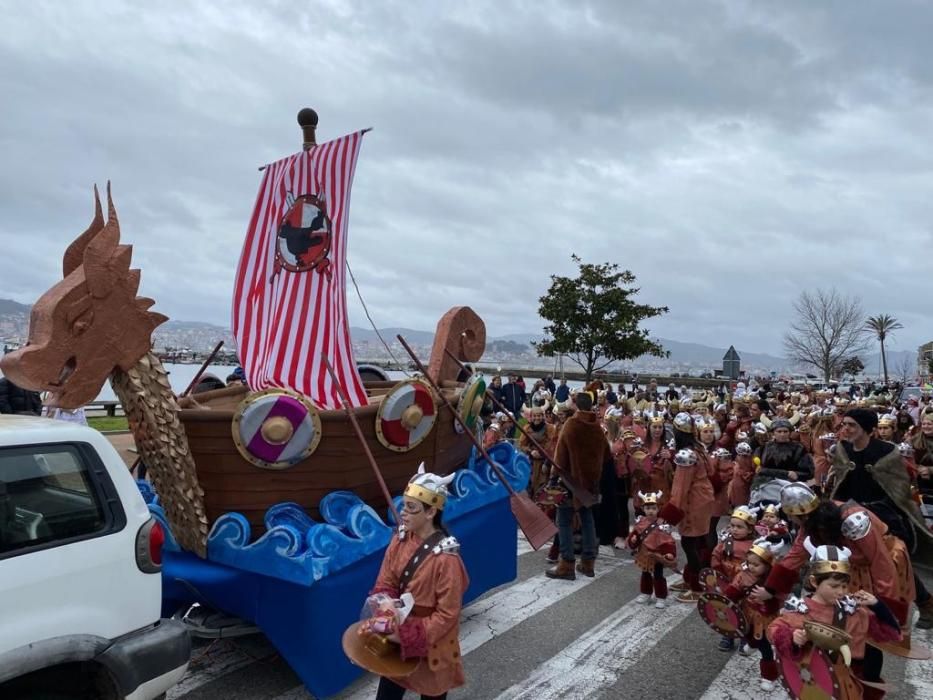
565,533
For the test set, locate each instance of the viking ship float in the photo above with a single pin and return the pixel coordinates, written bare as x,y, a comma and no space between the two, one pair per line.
271,510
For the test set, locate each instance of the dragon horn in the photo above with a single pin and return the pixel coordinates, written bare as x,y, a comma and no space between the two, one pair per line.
808,545
846,654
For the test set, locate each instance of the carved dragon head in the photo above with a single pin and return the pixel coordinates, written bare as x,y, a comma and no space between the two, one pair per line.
88,324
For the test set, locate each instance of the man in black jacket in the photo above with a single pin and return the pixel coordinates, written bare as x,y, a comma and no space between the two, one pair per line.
14,399
513,396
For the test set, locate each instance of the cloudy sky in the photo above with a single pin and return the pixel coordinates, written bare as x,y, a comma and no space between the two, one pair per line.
729,154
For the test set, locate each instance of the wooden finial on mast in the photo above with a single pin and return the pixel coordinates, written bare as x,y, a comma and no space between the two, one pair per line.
307,120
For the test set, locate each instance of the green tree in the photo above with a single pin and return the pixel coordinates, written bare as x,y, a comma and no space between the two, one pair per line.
852,365
593,319
882,326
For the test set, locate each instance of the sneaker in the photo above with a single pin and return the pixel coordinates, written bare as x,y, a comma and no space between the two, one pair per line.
766,685
726,644
643,598
744,649
619,543
660,604
688,597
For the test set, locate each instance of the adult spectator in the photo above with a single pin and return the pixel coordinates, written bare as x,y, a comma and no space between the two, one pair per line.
671,394
782,458
584,451
563,392
15,399
549,384
872,473
496,387
513,395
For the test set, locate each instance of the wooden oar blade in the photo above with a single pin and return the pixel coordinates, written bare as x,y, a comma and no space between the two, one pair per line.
538,528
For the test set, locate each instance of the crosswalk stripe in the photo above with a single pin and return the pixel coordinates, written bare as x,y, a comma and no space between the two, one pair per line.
739,680
495,614
919,674
596,659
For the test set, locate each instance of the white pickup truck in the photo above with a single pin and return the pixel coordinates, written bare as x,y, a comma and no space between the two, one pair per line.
80,561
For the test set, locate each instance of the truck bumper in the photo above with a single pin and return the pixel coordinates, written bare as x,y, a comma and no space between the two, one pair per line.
148,662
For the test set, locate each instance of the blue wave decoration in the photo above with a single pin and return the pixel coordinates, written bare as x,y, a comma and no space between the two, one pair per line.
301,550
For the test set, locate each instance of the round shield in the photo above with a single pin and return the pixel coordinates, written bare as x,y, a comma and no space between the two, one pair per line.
471,401
722,615
814,677
713,581
376,654
406,415
276,428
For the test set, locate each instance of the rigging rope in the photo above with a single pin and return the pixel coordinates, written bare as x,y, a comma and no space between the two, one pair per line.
372,323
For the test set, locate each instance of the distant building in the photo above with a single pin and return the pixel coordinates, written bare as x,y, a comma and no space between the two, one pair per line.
731,363
924,356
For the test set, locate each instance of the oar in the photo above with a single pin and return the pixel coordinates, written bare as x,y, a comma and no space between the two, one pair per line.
576,488
207,362
537,527
359,433
194,383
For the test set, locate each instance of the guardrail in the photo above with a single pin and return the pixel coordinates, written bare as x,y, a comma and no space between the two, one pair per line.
108,408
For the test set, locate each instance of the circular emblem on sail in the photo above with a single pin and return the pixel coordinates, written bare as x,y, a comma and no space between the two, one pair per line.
303,239
406,415
276,428
813,677
471,401
722,614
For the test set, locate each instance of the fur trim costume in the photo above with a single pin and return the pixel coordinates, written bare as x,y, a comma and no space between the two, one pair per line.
891,475
582,449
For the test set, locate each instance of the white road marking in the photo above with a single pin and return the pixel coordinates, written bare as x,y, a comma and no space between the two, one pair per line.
739,680
594,661
496,614
919,674
523,545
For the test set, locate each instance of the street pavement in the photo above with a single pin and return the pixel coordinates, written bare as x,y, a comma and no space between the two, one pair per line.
540,639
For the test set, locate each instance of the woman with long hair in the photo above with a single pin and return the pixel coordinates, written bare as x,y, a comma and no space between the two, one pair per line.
654,472
720,467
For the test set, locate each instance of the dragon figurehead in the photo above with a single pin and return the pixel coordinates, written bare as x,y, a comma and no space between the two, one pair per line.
90,323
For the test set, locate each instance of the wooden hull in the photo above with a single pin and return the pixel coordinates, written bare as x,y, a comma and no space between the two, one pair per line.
231,484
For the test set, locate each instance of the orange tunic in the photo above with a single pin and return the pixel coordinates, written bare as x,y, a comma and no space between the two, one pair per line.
650,475
548,440
432,630
691,503
872,563
651,549
720,475
729,554
861,625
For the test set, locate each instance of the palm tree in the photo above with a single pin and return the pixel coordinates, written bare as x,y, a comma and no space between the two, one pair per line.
883,325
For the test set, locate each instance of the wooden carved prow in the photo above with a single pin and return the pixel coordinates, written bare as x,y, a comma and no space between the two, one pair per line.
91,326
462,332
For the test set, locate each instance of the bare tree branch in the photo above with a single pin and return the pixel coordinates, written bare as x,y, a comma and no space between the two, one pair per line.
827,329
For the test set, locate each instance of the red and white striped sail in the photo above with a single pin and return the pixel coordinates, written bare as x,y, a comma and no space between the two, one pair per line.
289,299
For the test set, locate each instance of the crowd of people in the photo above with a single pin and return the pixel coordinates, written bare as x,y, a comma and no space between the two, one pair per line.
805,505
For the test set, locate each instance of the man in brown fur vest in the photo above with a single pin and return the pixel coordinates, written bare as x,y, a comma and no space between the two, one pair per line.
582,448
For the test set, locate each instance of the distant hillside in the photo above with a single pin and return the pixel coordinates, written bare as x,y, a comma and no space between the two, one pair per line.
8,306
690,353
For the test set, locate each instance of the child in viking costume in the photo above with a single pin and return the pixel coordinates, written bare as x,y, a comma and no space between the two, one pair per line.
740,488
843,623
423,559
754,571
729,553
771,526
653,548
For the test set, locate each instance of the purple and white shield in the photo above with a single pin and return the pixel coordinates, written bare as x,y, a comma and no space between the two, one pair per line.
276,429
